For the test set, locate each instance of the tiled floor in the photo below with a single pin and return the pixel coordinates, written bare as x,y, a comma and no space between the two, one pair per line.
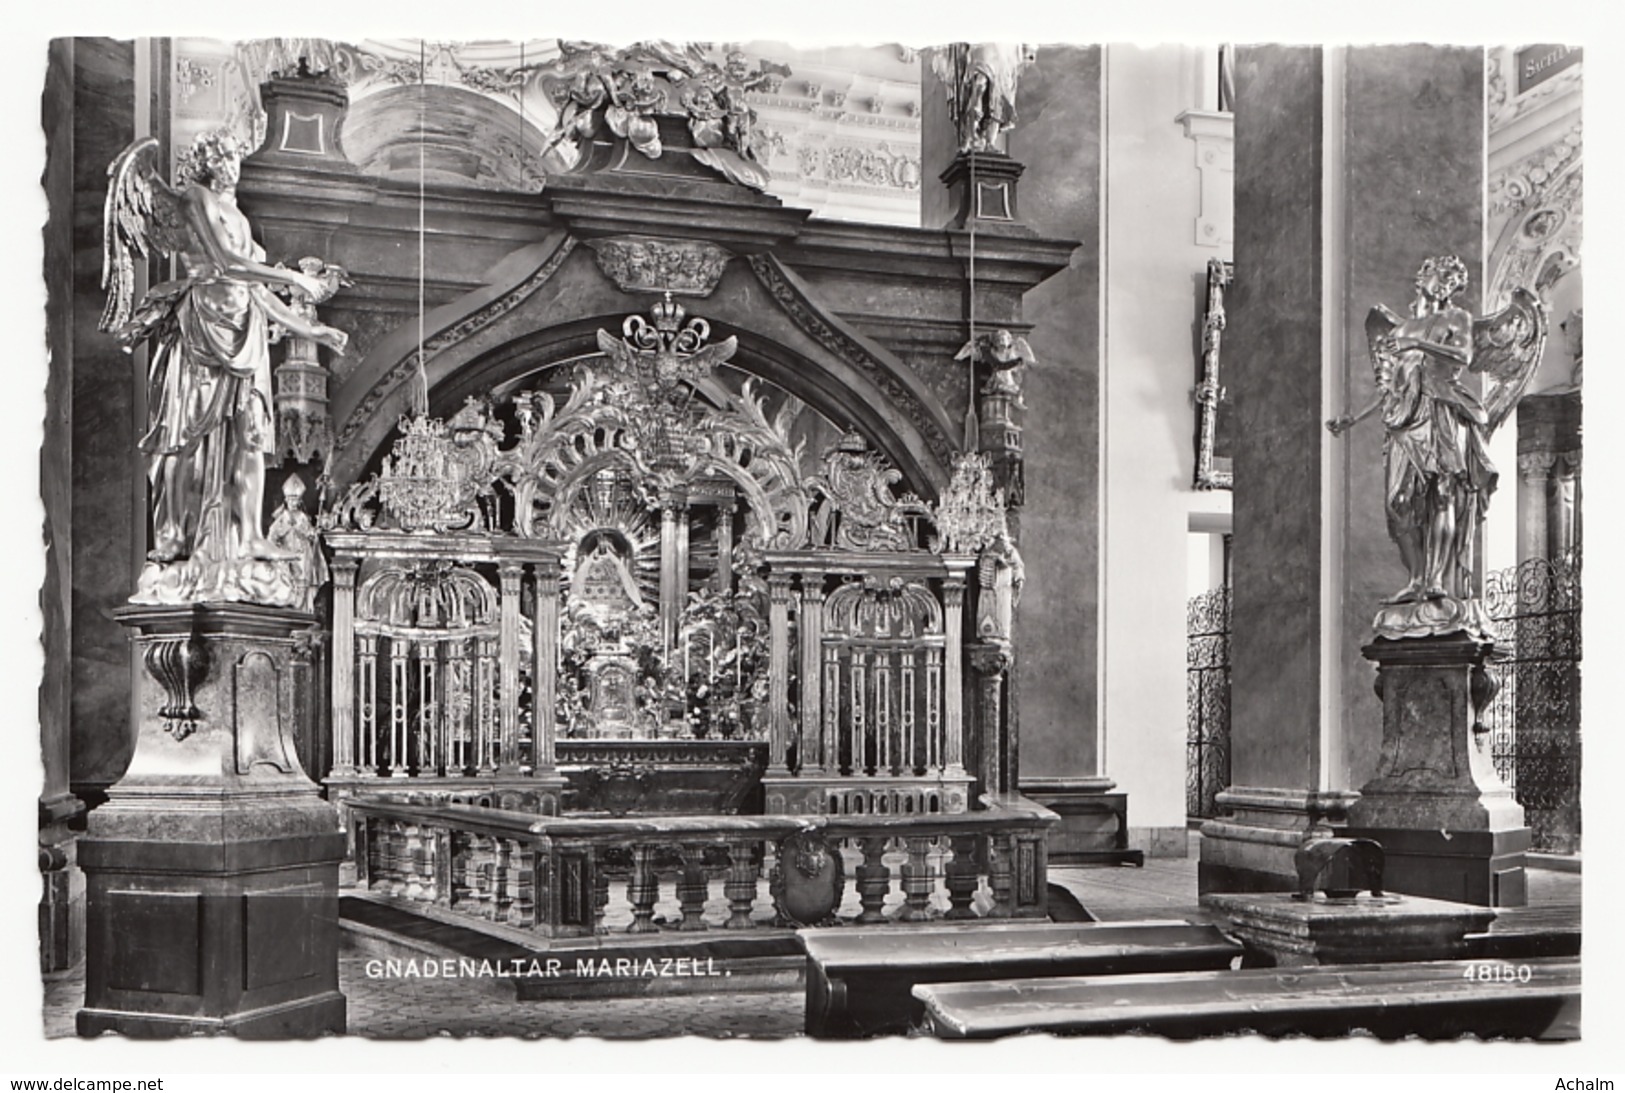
414,1008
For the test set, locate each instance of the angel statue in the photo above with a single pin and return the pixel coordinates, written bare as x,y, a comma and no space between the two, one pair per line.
1439,475
209,380
981,83
1008,355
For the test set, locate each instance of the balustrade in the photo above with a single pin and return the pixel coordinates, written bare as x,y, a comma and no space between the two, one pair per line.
574,877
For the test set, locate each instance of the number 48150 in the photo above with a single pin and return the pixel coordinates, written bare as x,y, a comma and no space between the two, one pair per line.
1498,973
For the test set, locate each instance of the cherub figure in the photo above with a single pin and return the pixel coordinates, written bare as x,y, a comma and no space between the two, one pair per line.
1007,355
209,389
1439,474
591,90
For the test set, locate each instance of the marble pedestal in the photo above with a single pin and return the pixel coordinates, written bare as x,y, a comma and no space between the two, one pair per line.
1280,930
1449,827
212,870
982,189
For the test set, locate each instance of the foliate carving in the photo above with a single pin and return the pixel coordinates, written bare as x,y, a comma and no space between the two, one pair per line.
859,510
853,352
639,264
180,666
971,513
1209,393
872,166
882,607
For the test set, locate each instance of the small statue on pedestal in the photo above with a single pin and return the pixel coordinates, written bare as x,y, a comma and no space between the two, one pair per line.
981,83
1439,475
1000,573
293,531
210,374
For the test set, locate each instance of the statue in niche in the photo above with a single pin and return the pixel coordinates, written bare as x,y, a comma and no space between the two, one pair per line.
293,531
209,391
1439,477
981,83
1000,575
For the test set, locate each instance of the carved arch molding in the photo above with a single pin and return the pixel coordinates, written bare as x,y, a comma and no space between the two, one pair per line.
555,294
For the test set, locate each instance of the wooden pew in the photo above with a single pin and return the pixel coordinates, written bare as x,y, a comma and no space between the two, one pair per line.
859,983
1433,1000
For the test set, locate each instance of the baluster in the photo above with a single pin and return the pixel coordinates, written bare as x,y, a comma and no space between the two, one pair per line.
693,887
933,712
885,761
411,859
369,705
502,880
485,743
874,879
962,877
740,887
860,713
643,890
917,880
440,863
475,875
814,761
1001,875
398,650
832,705
428,707
393,858
600,895
522,912
906,714
454,708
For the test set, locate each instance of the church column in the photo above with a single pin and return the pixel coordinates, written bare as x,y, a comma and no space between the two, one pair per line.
1352,166
509,572
343,670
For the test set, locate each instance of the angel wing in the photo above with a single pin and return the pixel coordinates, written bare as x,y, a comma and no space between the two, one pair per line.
1507,348
966,351
142,213
1019,351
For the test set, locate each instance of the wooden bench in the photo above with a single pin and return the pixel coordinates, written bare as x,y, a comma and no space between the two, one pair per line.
861,983
1433,1000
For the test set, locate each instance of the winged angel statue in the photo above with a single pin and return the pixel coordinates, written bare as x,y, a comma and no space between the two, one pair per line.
209,380
1439,475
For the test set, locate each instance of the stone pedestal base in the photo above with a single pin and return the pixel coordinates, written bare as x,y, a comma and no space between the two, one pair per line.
212,871
1480,867
1279,930
982,188
62,891
1093,828
1448,825
1253,847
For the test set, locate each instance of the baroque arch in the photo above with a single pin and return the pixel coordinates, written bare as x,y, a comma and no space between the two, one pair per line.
543,306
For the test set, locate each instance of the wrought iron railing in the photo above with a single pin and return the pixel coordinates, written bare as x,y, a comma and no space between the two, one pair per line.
1207,701
1534,719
